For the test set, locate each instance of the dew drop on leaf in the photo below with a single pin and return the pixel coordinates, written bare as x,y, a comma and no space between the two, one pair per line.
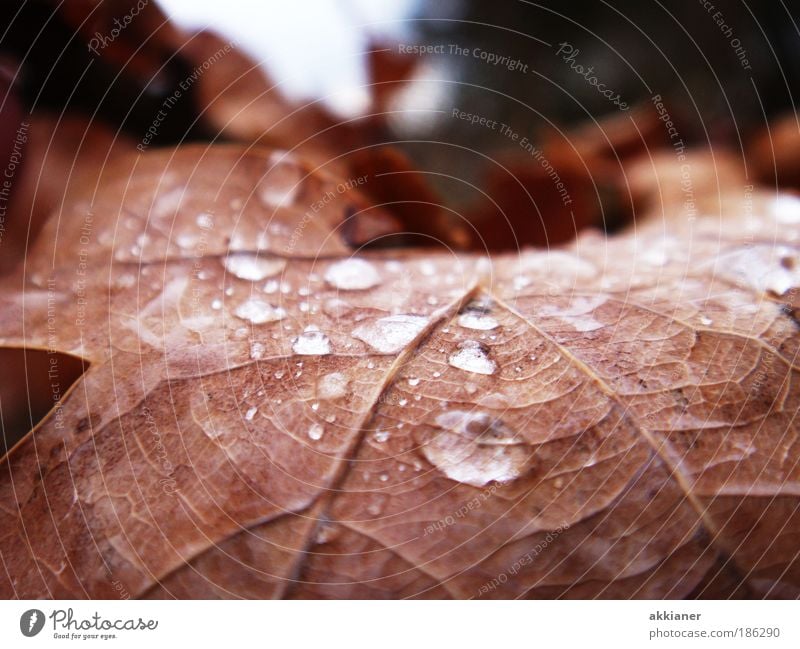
332,386
390,334
253,267
472,357
352,275
476,448
259,312
312,342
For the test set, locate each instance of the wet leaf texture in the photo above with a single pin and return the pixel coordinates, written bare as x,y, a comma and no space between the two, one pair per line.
270,411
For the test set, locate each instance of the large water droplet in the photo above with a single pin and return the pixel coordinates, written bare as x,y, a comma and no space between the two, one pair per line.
253,267
472,357
316,432
477,315
390,334
259,312
352,275
476,448
312,342
476,320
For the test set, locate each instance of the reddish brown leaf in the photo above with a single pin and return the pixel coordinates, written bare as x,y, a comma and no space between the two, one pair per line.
270,415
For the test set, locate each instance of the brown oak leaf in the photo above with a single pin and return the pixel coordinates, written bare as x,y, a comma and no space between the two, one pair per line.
269,411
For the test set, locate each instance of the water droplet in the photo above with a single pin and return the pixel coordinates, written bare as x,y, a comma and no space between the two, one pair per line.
316,432
332,386
205,221
259,312
472,357
253,267
476,448
519,282
414,381
706,321
251,412
216,304
480,321
477,315
381,435
384,477
427,268
402,402
257,350
312,342
390,334
352,274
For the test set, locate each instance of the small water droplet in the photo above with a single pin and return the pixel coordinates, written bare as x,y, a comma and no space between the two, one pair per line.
316,432
381,435
257,350
205,221
216,304
384,477
402,402
259,312
312,342
251,412
414,381
472,357
706,321
253,267
352,275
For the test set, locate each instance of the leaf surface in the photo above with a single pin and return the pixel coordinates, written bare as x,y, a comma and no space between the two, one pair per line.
269,411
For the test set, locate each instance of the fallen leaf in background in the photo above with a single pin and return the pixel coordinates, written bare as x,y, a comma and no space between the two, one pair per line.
267,414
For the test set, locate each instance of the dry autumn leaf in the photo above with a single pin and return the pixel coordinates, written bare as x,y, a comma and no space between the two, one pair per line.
268,411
